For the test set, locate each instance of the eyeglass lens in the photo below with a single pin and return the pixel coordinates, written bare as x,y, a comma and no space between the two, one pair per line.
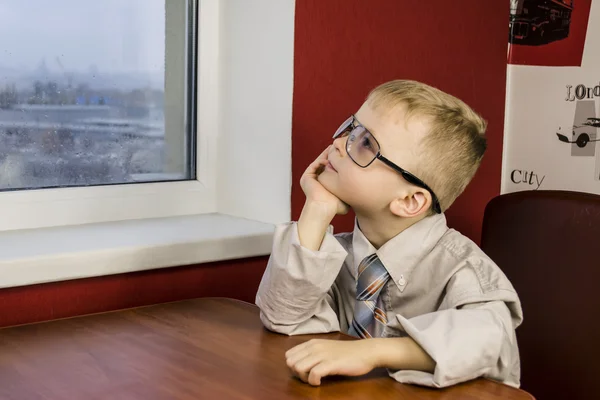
361,146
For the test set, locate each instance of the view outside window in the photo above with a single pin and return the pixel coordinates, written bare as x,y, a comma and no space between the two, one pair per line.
82,94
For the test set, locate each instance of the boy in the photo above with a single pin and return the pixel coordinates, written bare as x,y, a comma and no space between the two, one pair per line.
427,303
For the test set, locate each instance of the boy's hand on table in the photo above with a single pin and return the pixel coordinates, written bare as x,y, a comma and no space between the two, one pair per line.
317,358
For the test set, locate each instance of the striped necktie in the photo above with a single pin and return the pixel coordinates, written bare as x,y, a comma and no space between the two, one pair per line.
369,315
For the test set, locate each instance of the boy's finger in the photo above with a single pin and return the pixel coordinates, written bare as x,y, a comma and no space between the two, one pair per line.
302,346
292,361
303,376
317,372
295,350
315,165
305,365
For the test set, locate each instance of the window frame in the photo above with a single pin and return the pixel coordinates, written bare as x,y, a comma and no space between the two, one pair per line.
42,208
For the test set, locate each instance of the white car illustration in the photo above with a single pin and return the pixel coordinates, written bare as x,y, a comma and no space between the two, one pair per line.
583,134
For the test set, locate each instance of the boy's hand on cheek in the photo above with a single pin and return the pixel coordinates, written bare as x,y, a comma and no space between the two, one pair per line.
315,192
317,358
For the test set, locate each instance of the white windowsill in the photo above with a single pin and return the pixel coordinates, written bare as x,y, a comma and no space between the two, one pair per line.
73,252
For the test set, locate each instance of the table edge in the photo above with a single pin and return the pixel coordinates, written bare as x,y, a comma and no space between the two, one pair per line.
227,300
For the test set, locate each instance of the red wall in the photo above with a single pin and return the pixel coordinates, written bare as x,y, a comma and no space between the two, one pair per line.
237,279
346,47
343,49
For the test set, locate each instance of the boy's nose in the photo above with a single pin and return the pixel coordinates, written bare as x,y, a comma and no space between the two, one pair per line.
340,144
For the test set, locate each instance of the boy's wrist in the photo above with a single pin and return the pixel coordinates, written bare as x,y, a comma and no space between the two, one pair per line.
319,211
380,352
400,353
313,223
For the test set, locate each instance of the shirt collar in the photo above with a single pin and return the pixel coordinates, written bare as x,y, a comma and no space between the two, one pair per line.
401,254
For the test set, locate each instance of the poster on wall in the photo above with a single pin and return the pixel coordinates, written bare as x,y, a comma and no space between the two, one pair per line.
551,139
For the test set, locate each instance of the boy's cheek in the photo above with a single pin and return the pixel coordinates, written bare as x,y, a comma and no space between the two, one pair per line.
348,192
348,186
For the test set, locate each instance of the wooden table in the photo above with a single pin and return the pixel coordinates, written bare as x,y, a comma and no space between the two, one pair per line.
196,349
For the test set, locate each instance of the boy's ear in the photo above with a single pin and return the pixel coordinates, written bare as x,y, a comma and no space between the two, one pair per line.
411,204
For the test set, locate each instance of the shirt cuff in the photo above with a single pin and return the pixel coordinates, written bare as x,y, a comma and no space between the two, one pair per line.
465,344
329,245
296,268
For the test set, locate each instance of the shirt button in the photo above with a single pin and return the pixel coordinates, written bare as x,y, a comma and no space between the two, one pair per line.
401,281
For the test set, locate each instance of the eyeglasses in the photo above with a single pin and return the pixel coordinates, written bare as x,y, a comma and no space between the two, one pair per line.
363,149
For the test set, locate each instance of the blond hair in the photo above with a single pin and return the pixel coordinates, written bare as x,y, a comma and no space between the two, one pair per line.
451,152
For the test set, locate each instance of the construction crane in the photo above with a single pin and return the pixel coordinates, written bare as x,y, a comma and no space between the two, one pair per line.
67,75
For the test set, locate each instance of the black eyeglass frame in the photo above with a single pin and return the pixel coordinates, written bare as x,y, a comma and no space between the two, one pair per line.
352,124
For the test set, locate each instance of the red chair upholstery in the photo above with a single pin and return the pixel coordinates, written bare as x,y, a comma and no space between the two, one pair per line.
548,244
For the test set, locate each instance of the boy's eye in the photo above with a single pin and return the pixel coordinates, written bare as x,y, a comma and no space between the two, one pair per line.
366,143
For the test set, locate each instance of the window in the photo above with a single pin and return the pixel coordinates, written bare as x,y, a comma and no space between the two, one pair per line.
83,98
96,94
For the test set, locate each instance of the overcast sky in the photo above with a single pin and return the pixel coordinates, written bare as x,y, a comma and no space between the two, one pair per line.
115,35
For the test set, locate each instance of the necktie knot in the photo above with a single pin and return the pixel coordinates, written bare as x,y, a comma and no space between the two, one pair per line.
372,276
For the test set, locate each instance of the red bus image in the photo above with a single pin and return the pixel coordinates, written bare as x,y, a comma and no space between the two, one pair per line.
536,22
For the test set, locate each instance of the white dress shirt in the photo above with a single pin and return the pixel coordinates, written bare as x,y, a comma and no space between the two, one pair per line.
444,293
